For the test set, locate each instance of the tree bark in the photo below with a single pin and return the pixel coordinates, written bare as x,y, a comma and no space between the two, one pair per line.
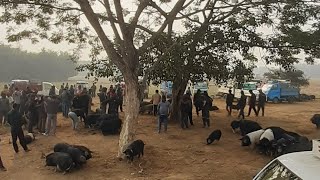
129,122
178,88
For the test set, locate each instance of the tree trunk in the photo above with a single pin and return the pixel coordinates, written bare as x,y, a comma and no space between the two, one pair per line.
129,123
178,88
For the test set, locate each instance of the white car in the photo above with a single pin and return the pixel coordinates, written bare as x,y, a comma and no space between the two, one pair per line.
294,166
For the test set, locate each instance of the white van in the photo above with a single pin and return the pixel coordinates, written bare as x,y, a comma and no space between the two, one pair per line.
294,166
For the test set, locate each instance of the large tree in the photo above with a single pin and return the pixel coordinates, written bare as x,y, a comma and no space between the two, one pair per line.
125,36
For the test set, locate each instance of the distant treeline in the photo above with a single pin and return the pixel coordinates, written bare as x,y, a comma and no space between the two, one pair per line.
43,66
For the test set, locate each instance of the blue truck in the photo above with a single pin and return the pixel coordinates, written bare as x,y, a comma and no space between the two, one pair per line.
278,91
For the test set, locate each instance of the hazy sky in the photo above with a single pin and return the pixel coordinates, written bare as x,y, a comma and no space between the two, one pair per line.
28,46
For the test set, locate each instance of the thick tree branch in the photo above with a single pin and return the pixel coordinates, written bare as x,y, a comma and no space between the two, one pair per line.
119,12
143,4
112,21
94,21
155,6
173,13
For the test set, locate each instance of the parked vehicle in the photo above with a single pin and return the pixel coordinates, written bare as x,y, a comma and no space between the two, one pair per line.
278,91
296,166
166,88
223,91
83,84
202,86
41,88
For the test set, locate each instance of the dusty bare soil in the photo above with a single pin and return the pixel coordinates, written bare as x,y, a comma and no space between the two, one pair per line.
178,154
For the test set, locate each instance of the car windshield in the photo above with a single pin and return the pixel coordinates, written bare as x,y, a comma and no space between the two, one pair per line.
277,171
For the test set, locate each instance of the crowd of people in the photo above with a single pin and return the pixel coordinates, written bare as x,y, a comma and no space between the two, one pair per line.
201,101
204,103
40,112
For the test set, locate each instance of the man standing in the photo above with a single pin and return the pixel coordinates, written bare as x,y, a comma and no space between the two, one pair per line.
17,97
163,110
61,90
71,91
242,104
207,104
103,100
52,91
229,101
66,102
93,90
197,101
52,107
79,90
261,102
185,107
85,101
252,103
32,112
4,108
120,97
155,101
15,121
23,102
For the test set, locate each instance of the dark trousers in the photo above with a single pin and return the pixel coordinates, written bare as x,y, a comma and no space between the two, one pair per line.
184,120
155,110
241,112
190,117
198,109
103,108
18,133
254,109
163,119
32,121
65,109
205,118
262,108
229,109
3,117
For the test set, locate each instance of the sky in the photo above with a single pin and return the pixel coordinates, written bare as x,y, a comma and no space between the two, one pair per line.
28,46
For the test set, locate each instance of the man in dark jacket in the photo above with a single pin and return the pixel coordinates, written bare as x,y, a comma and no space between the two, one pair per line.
252,103
65,102
197,100
15,120
261,102
185,109
103,99
32,112
242,104
229,101
207,104
120,97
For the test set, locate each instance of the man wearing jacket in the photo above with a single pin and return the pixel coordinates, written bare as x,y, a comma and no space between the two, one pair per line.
15,120
52,107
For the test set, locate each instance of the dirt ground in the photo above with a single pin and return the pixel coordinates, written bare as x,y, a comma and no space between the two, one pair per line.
178,154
